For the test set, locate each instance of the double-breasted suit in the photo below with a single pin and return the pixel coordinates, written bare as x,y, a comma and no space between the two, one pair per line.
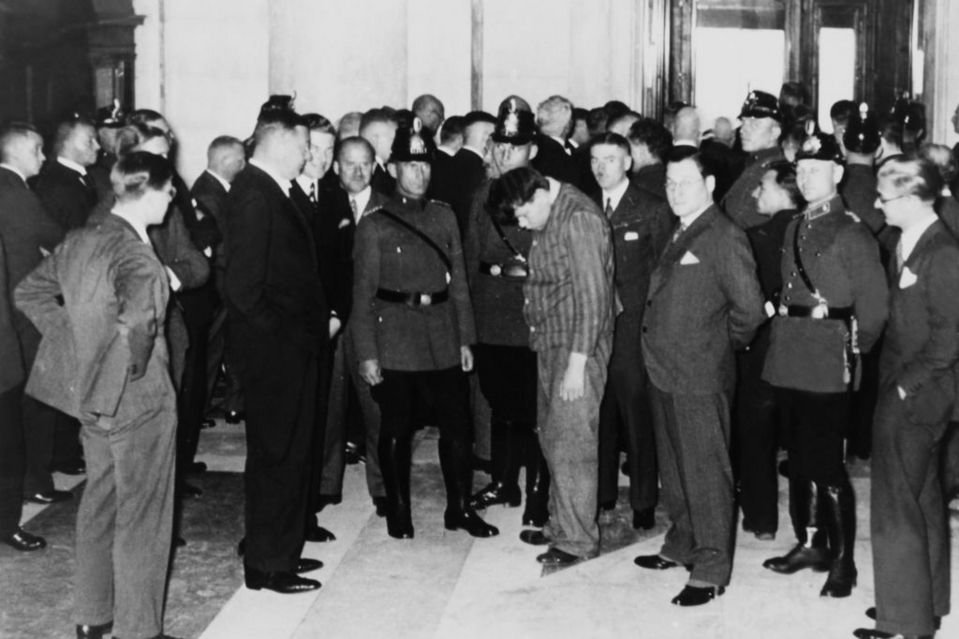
68,195
704,302
278,327
641,226
909,525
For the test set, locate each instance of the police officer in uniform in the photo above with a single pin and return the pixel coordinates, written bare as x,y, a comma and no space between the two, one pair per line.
496,263
413,330
833,308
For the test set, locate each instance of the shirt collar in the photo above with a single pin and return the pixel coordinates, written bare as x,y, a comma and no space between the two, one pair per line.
562,142
362,199
226,185
305,181
136,225
614,195
70,164
478,153
282,182
910,236
687,221
446,150
15,170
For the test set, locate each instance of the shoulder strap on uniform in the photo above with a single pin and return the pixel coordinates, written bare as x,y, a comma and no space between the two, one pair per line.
420,234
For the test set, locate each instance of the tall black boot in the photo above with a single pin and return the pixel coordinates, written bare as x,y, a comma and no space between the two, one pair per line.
811,550
395,453
458,477
841,518
504,463
536,512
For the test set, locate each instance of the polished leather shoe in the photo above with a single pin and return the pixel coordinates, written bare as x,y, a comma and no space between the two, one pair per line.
696,595
353,454
305,564
75,467
534,537
872,633
189,491
282,582
49,497
800,557
320,534
871,613
94,631
496,493
557,557
234,416
197,468
379,503
644,519
23,541
656,562
469,521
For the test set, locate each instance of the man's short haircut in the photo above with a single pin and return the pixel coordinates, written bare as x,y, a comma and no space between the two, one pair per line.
913,176
65,129
376,115
613,139
596,120
891,129
683,153
144,116
135,134
138,171
786,179
556,114
425,101
654,135
842,110
222,142
579,113
316,122
355,140
453,127
792,94
611,122
474,117
614,109
276,122
13,132
514,189
941,155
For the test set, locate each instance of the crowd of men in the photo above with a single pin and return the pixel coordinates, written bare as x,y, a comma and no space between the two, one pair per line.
549,287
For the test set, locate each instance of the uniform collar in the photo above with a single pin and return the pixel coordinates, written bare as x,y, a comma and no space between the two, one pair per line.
414,204
14,170
823,207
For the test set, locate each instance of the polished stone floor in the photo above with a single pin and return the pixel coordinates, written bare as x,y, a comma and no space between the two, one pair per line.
446,584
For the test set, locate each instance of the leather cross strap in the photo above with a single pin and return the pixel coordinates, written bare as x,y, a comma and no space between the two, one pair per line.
423,236
800,268
499,231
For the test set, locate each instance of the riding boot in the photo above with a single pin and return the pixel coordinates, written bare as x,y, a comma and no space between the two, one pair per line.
505,458
536,512
811,551
458,478
841,519
395,459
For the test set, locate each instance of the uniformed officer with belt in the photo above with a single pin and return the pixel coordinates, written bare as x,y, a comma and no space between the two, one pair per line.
413,327
833,307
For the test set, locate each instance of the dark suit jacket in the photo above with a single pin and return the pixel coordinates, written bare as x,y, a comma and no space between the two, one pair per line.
11,373
114,293
211,200
553,160
272,283
382,181
726,163
65,195
442,178
468,173
641,227
921,344
651,178
704,301
25,228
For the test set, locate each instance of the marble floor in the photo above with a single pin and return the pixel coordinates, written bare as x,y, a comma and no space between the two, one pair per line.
448,585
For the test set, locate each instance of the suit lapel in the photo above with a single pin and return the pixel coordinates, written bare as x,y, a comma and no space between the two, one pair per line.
927,237
675,250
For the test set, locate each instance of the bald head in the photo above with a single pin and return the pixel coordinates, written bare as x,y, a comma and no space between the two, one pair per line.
225,157
686,127
724,132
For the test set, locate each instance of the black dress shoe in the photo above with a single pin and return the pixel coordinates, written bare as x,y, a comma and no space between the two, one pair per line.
801,556
697,596
305,564
353,454
872,633
644,519
94,631
282,582
871,613
234,416
23,541
74,467
656,562
197,467
327,500
189,491
534,537
496,493
557,557
319,534
49,497
379,503
469,521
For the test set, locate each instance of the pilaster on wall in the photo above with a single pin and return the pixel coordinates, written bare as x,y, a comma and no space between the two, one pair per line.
941,75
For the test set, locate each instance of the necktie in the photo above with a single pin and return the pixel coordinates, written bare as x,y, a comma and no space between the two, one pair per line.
679,231
609,207
91,188
313,192
353,208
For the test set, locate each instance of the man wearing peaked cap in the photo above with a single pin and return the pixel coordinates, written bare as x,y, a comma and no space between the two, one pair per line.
413,329
832,308
761,128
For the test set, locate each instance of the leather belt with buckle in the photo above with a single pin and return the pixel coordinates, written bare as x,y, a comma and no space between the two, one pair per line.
814,312
413,299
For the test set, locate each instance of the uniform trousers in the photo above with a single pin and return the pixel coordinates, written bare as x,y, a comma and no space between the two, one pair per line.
625,411
446,391
348,392
39,426
692,442
815,439
125,520
11,460
569,437
910,533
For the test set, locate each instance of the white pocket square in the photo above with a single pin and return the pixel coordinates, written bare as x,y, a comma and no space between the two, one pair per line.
689,258
907,278
631,236
343,224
